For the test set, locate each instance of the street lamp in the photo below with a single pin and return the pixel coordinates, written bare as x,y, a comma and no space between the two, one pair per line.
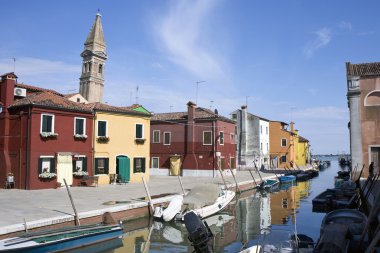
196,95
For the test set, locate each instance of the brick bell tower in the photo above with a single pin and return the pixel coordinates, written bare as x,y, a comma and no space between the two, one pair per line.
94,57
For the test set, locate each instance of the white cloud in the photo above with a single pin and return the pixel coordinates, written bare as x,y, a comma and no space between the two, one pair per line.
321,113
35,66
180,35
344,25
323,38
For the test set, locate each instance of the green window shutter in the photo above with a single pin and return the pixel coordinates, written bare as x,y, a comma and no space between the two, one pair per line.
143,165
96,166
139,129
84,163
134,165
74,165
52,165
106,163
39,165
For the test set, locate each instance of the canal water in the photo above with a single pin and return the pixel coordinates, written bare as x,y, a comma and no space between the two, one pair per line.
244,220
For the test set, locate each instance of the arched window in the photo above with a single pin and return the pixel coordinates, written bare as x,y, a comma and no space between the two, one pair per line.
89,66
100,68
372,98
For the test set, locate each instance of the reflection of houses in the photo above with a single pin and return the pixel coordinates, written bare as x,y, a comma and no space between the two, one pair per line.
363,95
303,191
252,138
197,142
121,142
253,214
44,137
135,241
282,205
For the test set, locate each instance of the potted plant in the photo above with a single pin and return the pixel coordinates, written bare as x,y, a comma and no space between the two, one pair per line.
103,139
80,173
48,135
80,136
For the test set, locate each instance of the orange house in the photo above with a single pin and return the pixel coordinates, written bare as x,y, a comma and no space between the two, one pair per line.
281,142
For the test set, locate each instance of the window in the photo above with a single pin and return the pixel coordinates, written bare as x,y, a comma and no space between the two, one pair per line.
139,131
79,163
221,138
234,116
155,162
101,165
283,142
139,165
167,138
78,100
266,129
284,203
261,146
100,68
223,163
267,147
283,159
261,129
47,123
232,138
80,126
156,136
46,165
207,138
102,128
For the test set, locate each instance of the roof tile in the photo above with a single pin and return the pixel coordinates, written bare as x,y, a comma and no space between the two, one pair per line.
363,69
200,113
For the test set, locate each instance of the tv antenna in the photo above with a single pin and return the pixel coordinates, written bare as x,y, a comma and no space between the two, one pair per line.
137,94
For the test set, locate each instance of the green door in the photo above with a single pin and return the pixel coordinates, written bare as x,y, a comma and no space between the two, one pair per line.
123,169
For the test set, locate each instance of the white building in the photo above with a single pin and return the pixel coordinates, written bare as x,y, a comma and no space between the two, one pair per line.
252,139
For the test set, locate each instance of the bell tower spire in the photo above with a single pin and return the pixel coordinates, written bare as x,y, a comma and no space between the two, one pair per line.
94,57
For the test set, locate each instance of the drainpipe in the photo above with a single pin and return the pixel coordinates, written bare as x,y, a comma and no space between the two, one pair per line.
20,151
213,149
27,167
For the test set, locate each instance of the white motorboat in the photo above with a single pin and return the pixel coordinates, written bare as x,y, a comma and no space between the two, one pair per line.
169,212
205,200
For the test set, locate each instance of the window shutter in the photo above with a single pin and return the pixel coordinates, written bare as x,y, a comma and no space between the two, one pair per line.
106,165
52,165
96,166
39,165
49,124
74,165
84,164
143,165
134,165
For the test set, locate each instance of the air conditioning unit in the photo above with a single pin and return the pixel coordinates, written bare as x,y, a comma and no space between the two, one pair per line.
20,92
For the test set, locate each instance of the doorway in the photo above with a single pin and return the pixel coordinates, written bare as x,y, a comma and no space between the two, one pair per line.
65,168
175,165
123,168
375,158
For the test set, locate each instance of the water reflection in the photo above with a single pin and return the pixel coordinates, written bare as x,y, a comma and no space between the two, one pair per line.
242,223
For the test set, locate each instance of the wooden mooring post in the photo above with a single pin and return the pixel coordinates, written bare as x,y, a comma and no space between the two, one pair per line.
149,198
72,204
224,181
237,186
254,180
180,182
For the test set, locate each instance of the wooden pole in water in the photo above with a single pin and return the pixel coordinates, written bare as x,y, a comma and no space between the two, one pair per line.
237,186
180,182
72,204
224,181
150,199
254,180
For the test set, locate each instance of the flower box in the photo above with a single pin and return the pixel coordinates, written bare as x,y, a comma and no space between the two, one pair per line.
80,173
47,175
48,135
80,136
139,141
103,139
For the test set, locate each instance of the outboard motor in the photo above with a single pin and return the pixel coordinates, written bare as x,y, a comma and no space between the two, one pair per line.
200,234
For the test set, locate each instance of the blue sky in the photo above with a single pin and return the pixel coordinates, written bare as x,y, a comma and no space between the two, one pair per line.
287,57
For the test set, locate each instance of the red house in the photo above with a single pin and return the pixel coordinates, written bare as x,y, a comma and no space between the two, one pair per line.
193,143
44,137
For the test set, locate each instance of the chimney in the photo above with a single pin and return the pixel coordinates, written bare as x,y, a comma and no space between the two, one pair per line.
191,111
7,87
292,127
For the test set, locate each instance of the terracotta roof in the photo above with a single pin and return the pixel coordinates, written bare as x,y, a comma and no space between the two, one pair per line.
200,114
363,69
35,89
302,139
51,100
70,95
109,108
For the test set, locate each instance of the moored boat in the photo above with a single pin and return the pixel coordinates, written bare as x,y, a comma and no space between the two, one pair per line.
268,184
62,239
205,200
168,213
332,199
287,178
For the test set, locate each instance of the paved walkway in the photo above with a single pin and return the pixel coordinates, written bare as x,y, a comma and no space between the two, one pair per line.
46,207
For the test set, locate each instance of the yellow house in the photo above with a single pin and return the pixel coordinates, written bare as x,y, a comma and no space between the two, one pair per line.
121,143
303,151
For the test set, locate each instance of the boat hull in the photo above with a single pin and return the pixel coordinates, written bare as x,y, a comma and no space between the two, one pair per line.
61,245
